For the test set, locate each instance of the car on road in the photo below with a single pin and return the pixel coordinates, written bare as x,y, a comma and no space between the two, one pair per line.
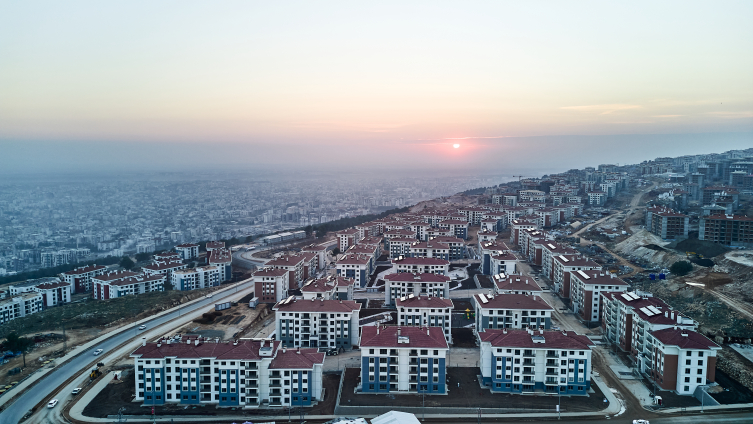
76,391
142,327
209,296
332,352
98,351
52,403
640,422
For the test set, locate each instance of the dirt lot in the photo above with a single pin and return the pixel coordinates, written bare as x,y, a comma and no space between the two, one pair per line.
470,395
234,322
116,396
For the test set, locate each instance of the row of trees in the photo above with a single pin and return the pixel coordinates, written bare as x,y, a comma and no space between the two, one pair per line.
54,271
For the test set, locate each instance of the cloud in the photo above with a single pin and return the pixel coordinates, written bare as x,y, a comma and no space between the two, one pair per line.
733,115
603,109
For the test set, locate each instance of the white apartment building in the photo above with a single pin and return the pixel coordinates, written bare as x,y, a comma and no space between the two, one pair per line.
421,265
138,284
187,250
516,284
404,284
317,323
527,361
328,288
511,311
80,279
680,360
241,374
425,311
20,306
586,289
403,360
196,278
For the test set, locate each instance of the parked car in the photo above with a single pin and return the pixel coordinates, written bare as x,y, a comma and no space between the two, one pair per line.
52,403
76,391
332,352
98,351
640,422
142,327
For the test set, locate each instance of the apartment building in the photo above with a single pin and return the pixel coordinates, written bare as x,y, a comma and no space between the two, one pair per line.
214,245
666,223
355,267
400,246
163,268
529,361
429,249
518,226
597,198
271,285
367,251
421,265
456,246
347,238
565,266
321,254
458,227
294,264
329,288
80,279
627,317
222,259
585,292
516,284
403,360
187,251
680,360
730,230
317,323
420,228
133,285
511,311
425,311
20,306
404,284
489,249
243,374
196,278
549,251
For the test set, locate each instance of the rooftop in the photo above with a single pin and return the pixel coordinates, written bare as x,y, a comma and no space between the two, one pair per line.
405,337
511,301
317,305
543,339
684,339
423,302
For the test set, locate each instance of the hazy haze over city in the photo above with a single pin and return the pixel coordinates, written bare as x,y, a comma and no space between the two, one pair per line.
529,87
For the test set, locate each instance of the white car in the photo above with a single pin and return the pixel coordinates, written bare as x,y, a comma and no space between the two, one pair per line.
640,421
209,296
76,391
98,351
52,403
142,327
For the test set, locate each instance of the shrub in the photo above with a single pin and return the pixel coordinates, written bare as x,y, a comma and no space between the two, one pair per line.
681,268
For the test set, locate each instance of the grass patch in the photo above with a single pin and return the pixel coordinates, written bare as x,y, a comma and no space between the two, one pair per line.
98,313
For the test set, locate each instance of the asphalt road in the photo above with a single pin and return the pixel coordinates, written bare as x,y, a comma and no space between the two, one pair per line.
49,384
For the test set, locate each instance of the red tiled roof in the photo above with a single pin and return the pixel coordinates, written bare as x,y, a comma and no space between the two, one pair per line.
354,259
163,265
116,275
318,305
220,256
138,279
420,261
517,282
85,269
48,286
286,260
269,272
215,245
598,278
684,339
424,302
188,245
244,350
523,339
296,359
417,337
512,301
418,278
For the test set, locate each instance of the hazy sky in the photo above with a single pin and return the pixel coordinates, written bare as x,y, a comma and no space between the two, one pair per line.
131,84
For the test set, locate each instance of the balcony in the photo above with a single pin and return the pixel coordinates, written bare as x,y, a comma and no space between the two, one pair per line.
552,355
529,371
552,372
529,354
528,362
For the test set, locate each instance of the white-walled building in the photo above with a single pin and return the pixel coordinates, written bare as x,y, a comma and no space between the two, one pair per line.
187,250
680,360
243,374
196,278
421,265
20,306
404,284
511,311
426,311
526,361
271,285
329,288
317,323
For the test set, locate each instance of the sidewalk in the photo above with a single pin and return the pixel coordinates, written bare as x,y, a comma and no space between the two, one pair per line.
29,382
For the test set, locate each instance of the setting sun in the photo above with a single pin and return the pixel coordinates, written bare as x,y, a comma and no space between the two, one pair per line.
456,145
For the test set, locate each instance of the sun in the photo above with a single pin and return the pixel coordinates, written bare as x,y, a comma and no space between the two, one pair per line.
456,145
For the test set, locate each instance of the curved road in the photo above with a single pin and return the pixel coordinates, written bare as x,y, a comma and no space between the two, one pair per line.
48,384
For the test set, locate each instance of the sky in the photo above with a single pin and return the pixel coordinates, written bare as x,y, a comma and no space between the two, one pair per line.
531,86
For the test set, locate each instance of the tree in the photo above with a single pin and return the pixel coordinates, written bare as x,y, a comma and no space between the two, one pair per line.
681,268
127,262
335,251
232,242
141,257
249,239
15,343
309,230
